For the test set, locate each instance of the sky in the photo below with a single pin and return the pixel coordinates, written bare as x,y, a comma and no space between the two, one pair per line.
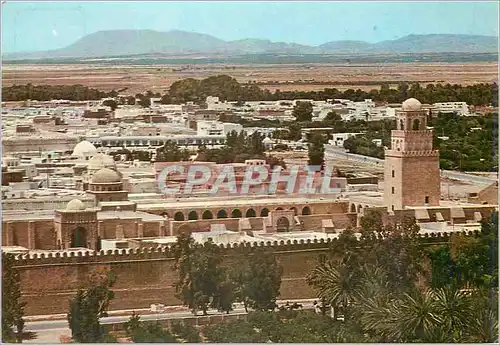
38,26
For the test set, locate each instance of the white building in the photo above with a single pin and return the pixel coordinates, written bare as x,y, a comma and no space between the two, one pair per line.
339,138
208,128
460,108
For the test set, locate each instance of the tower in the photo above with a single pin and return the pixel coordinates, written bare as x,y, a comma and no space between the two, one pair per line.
411,176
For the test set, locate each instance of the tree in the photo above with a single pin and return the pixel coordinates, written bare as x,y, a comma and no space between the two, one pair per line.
316,151
110,103
170,152
144,101
12,306
338,284
303,111
87,307
257,280
199,274
140,332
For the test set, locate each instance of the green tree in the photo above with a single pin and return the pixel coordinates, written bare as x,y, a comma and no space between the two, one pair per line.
199,273
303,111
337,283
12,306
257,279
110,103
316,150
140,332
186,332
170,152
87,307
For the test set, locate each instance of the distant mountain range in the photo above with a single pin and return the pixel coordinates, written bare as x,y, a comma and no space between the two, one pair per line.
175,43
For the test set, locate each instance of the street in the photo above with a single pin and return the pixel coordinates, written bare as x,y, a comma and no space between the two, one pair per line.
49,331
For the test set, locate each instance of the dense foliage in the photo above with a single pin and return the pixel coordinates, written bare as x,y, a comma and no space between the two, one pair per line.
12,306
142,332
228,89
203,282
50,92
387,287
472,143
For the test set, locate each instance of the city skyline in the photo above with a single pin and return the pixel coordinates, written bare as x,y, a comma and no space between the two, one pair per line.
30,26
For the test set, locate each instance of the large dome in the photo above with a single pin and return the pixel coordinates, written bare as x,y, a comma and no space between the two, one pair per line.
84,148
75,205
411,104
100,161
106,175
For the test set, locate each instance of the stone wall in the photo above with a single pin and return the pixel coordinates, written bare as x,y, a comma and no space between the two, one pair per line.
145,276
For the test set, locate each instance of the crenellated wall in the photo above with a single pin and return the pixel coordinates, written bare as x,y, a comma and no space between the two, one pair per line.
145,276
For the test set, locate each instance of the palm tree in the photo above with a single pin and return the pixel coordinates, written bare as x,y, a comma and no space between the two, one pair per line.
453,308
483,326
483,323
416,317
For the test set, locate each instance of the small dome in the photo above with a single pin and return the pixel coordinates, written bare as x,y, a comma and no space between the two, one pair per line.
84,148
411,104
75,205
100,161
106,175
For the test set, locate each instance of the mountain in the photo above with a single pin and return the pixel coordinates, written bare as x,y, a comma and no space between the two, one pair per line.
345,47
149,42
439,44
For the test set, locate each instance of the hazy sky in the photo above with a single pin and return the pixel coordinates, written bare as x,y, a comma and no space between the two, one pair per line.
34,26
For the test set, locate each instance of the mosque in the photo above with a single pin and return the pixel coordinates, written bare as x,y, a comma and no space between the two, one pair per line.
107,215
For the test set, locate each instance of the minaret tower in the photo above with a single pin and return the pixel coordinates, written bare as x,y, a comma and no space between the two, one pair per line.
412,175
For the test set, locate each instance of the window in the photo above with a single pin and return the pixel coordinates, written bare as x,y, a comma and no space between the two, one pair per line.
392,190
393,173
393,207
426,199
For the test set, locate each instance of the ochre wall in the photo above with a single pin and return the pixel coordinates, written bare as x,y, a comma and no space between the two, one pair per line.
142,279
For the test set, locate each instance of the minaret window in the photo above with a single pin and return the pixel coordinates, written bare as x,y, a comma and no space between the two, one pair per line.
416,125
393,173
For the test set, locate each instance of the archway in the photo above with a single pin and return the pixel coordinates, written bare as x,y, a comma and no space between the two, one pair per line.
236,213
401,125
294,209
283,225
264,212
359,208
207,215
250,213
416,125
222,214
279,209
79,238
306,211
179,216
165,215
193,215
353,208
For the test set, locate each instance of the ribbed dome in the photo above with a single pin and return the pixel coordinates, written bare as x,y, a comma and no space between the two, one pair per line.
106,175
84,148
75,205
100,161
411,104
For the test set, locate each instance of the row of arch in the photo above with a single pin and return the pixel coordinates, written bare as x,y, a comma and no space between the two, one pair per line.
415,125
356,209
235,213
